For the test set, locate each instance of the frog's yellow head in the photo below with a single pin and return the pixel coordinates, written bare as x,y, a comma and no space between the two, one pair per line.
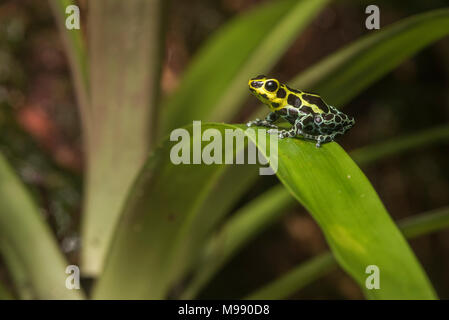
264,88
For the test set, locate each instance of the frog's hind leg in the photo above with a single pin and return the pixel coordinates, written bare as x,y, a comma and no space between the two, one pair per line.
319,139
324,138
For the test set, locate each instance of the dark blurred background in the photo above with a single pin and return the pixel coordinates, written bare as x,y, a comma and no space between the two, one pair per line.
40,132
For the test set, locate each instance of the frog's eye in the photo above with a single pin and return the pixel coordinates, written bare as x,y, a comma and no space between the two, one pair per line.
271,86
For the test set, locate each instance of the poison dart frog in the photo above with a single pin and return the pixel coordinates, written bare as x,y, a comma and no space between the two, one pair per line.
308,114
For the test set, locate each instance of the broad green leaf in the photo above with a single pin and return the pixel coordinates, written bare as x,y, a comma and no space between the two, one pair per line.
322,264
125,51
25,233
354,221
326,181
344,74
261,212
215,83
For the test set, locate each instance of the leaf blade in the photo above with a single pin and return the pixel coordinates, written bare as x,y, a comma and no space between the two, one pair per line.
124,87
25,233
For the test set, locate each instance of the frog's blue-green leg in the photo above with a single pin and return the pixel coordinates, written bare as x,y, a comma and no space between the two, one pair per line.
324,138
268,122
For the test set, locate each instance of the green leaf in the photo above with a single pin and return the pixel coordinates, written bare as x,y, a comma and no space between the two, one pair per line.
261,212
354,221
425,223
344,74
322,264
215,83
125,51
24,232
326,181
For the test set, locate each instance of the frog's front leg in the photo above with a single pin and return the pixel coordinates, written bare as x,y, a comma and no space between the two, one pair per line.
268,122
295,130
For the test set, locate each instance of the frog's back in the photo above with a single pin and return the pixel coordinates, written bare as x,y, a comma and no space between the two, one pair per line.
324,119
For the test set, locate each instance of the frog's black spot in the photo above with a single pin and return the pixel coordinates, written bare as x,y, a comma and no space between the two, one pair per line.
282,111
316,101
308,128
328,116
281,93
292,112
294,101
308,120
258,77
291,119
318,119
305,109
275,104
256,84
339,127
263,95
337,119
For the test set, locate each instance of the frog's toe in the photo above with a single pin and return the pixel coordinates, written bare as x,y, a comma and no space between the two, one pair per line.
283,135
